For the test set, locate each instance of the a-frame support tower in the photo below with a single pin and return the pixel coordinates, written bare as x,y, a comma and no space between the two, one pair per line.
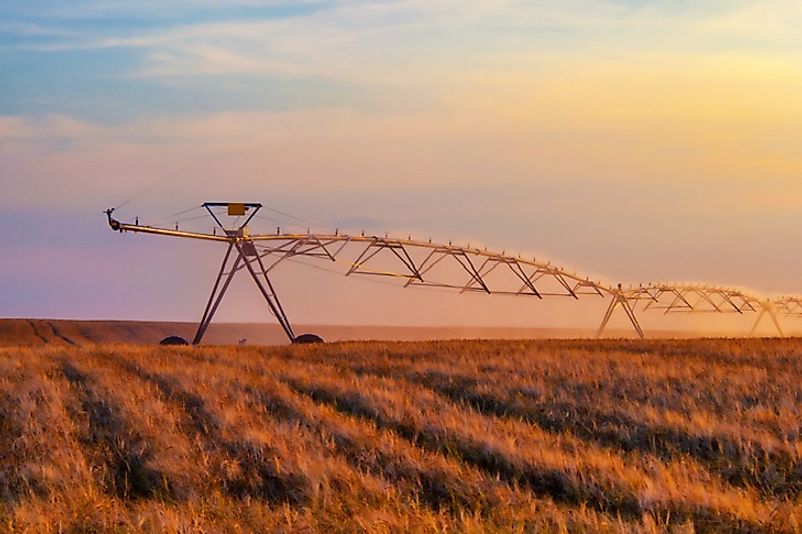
240,254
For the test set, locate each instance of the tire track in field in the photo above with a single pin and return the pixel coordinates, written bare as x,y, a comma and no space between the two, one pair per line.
256,479
771,468
116,450
438,486
444,483
36,332
59,335
617,499
438,490
541,480
776,472
11,432
431,479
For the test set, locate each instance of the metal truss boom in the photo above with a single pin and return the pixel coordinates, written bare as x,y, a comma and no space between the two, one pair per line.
259,254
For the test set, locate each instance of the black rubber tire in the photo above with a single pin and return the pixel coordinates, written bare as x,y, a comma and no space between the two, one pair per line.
173,340
304,339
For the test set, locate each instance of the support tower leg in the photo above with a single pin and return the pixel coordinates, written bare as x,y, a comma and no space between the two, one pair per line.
256,268
217,294
252,263
621,300
767,309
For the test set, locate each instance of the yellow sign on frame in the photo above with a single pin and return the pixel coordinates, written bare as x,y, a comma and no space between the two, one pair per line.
236,209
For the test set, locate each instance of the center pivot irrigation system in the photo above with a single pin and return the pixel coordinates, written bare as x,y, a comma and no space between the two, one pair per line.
420,263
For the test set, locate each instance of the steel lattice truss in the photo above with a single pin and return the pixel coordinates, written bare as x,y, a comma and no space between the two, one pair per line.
448,266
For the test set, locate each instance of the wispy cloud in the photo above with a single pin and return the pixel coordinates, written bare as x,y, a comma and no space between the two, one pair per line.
414,42
33,30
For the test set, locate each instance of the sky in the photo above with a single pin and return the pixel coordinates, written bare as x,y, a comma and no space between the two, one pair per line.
631,140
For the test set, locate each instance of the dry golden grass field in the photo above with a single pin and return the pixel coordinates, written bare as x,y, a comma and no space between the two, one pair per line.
619,436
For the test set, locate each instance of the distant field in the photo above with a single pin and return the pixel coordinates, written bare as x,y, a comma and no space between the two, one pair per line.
66,332
439,436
